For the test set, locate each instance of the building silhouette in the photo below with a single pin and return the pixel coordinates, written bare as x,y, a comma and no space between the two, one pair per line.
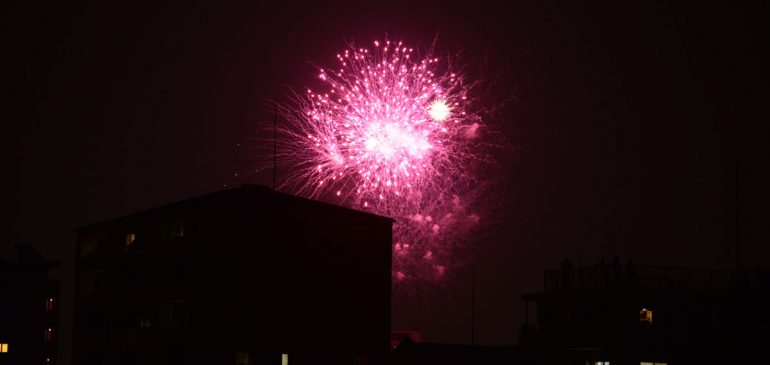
241,276
29,309
628,314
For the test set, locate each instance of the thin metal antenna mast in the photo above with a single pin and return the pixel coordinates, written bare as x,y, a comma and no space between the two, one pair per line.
738,264
275,142
473,305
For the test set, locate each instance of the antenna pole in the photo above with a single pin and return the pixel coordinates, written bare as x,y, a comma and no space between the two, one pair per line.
275,142
473,305
737,213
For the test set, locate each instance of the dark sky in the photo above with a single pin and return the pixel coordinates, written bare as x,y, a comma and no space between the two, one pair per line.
632,120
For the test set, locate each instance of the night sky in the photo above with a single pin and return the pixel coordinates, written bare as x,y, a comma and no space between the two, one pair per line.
631,126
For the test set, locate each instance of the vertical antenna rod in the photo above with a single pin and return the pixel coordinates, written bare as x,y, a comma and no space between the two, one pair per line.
275,142
473,305
737,137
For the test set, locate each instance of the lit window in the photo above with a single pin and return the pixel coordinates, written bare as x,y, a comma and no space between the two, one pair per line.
241,358
3,347
645,316
284,359
145,324
597,363
130,238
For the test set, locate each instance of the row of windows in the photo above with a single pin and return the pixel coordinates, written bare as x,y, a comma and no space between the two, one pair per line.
608,363
175,317
171,232
136,275
48,336
568,312
242,358
4,349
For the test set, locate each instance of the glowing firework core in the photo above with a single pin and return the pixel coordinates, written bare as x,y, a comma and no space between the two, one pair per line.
389,139
390,134
375,130
439,110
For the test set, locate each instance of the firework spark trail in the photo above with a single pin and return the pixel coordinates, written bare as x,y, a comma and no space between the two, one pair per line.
390,134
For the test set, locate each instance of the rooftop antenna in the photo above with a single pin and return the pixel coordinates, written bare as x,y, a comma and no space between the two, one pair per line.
737,197
738,212
473,305
275,141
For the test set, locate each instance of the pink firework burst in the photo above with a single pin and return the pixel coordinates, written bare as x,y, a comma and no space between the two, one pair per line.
389,132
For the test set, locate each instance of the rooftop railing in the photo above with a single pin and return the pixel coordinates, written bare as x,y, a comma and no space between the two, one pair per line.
651,277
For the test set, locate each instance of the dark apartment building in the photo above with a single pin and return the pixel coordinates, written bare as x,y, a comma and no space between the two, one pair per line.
241,276
29,309
644,315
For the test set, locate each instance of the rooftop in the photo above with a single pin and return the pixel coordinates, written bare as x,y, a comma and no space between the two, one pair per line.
247,194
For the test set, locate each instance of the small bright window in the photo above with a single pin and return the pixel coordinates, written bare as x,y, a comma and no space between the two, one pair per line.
3,347
284,359
645,316
130,238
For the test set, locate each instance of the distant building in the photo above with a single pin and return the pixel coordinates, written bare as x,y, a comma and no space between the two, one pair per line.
648,315
241,276
29,309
